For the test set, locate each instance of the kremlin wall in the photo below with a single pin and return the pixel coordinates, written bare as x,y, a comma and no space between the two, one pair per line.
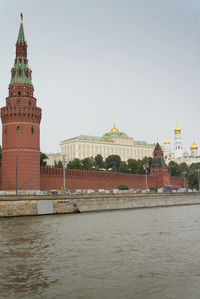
21,170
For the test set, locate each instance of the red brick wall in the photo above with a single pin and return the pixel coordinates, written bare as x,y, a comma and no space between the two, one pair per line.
52,178
176,181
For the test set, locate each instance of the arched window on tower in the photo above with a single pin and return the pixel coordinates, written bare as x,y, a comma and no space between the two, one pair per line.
18,129
27,73
13,73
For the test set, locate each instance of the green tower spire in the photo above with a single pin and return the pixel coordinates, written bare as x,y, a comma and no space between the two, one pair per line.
21,37
21,73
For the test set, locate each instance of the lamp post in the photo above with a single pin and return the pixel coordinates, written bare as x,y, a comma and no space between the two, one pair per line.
64,186
146,170
198,170
16,175
184,173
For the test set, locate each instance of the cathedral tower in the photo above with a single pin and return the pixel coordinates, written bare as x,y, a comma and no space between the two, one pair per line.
178,146
21,126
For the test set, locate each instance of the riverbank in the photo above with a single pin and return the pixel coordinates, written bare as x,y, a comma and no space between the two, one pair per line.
29,205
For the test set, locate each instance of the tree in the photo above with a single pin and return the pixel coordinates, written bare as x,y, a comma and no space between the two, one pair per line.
113,162
132,165
174,169
59,165
193,180
99,163
74,164
123,187
123,167
184,167
43,157
88,164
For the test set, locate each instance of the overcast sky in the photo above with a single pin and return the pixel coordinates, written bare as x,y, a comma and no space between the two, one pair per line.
96,61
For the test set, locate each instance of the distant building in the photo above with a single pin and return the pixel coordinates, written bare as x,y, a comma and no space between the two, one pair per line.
113,142
178,155
53,159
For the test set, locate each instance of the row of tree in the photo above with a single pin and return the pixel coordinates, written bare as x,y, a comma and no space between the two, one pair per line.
112,163
191,172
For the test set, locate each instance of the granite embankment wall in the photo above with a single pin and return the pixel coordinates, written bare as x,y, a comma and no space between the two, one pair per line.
61,204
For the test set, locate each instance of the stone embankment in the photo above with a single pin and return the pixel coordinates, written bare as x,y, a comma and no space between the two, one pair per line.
63,204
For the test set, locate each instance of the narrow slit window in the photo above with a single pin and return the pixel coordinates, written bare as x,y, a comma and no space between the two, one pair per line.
32,130
18,129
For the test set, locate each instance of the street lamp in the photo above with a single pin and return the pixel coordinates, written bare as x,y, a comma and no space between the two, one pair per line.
198,170
145,166
184,173
64,172
16,175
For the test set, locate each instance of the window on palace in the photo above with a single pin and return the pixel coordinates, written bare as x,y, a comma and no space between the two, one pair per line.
18,102
19,93
18,129
5,131
32,130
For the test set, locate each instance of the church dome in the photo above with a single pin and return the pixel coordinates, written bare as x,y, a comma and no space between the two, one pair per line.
166,141
114,132
177,130
193,146
114,129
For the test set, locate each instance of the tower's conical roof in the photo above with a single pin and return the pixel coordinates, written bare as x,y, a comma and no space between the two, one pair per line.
21,36
21,73
157,147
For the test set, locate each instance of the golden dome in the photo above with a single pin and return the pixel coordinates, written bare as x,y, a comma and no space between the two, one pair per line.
114,129
177,130
193,146
166,141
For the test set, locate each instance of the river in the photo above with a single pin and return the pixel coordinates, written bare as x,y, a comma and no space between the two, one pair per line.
144,253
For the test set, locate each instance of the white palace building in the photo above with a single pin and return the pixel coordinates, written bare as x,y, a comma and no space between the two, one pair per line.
113,142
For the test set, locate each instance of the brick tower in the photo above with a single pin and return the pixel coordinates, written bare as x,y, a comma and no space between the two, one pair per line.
159,168
21,126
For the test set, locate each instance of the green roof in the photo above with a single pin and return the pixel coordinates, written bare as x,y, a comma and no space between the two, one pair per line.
21,73
21,37
115,134
92,138
136,142
106,139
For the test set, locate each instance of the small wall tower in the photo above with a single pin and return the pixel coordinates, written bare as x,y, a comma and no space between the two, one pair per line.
21,126
159,168
178,146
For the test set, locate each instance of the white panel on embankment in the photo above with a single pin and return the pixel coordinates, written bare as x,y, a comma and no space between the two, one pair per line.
44,207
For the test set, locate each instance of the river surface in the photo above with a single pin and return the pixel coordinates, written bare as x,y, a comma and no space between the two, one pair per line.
145,253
